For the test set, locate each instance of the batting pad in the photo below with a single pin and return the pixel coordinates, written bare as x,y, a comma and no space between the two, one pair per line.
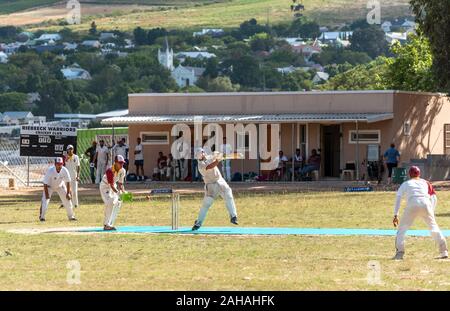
263,231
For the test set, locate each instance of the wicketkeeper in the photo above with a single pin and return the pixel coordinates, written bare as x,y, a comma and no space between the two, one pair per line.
57,179
111,193
214,185
419,204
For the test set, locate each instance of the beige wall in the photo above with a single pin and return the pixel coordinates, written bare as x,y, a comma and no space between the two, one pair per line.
269,103
427,113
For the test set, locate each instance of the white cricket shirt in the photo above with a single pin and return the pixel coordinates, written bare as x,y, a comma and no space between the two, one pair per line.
413,189
139,156
102,154
209,176
53,179
72,163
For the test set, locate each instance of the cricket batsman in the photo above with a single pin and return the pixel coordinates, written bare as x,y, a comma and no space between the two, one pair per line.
419,204
72,164
214,185
57,179
111,193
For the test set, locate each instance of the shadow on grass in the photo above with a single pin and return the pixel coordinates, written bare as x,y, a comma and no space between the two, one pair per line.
16,222
443,215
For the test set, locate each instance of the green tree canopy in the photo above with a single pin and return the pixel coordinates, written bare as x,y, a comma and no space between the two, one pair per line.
433,17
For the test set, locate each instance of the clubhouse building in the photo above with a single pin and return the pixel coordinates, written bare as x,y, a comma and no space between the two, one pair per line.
349,128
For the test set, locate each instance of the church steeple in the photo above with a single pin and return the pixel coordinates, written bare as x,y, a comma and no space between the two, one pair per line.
165,57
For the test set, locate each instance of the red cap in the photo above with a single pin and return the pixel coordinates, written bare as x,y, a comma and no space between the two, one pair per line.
414,171
119,159
59,160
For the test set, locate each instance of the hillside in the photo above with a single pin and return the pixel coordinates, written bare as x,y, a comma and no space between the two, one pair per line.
224,13
12,6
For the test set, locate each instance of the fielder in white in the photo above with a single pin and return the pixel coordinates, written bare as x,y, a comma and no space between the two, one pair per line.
57,179
102,159
110,193
72,164
419,204
214,185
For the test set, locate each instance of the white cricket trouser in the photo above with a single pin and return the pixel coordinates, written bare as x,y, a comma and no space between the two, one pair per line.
101,170
112,204
74,188
226,169
420,207
183,163
62,192
221,188
433,202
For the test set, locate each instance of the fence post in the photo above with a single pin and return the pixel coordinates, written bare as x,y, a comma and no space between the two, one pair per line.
28,171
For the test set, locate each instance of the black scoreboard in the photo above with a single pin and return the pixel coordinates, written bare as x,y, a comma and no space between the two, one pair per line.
46,140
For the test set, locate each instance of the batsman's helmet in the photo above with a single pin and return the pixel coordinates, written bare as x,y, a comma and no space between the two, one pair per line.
414,171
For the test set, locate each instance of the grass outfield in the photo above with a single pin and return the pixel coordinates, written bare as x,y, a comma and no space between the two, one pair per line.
200,262
231,13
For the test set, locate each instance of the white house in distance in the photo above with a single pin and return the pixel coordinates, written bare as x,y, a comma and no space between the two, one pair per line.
3,58
91,44
287,70
209,31
196,55
183,75
332,36
186,76
104,36
74,72
21,117
47,37
320,77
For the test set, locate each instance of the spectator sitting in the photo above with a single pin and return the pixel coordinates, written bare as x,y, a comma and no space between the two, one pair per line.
280,164
162,166
313,163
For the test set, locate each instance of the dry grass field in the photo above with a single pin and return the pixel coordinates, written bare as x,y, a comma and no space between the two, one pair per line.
208,262
195,14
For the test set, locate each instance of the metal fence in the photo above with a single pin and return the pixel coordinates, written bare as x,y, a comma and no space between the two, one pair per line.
24,171
29,171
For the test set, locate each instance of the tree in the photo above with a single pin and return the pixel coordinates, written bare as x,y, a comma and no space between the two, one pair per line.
304,28
212,68
140,36
370,76
246,71
359,24
248,29
262,42
411,69
9,33
69,35
334,55
222,84
433,17
370,40
12,101
154,34
93,29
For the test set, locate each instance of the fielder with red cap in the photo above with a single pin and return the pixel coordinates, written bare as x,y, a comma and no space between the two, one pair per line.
110,192
419,193
57,179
